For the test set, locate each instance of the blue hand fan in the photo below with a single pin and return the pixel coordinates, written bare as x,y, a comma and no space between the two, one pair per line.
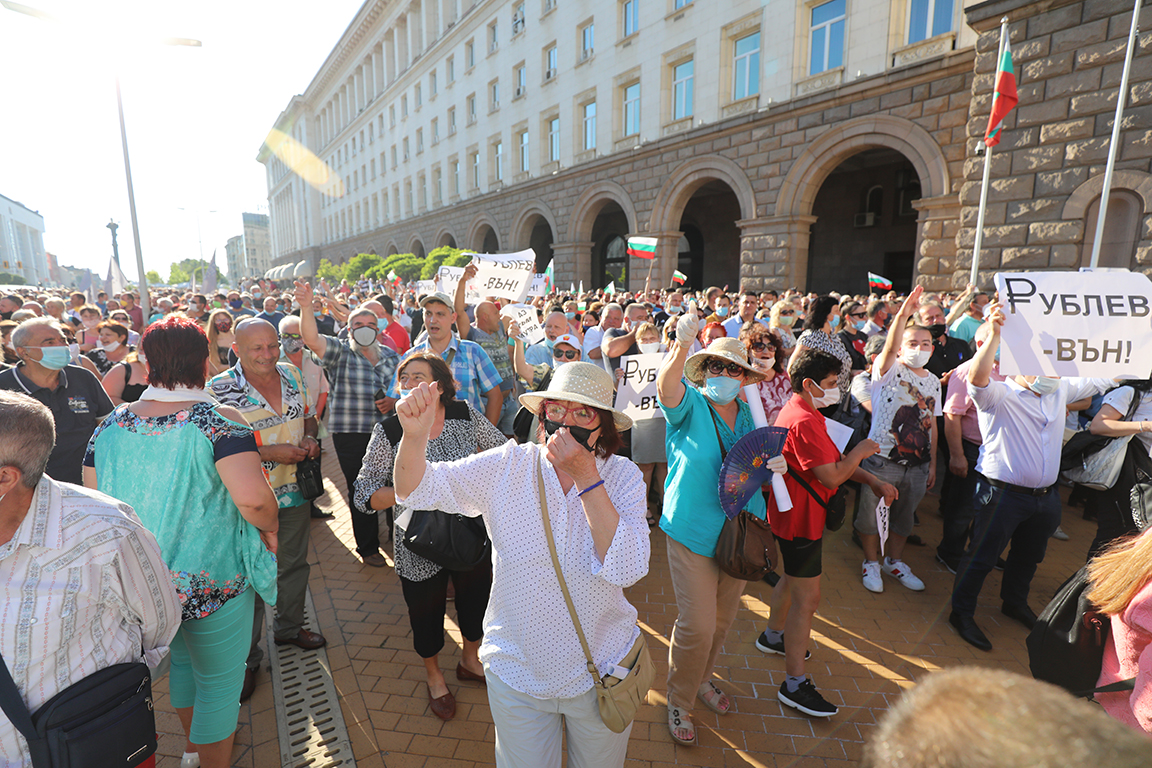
745,468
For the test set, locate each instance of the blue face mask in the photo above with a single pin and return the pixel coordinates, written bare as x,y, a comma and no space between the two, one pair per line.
859,324
722,311
570,315
381,323
54,358
549,343
835,322
721,389
1044,385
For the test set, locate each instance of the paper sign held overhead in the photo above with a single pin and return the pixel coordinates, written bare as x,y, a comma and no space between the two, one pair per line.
448,277
504,275
636,393
1093,324
525,316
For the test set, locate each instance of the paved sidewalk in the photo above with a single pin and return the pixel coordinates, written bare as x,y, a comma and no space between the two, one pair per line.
868,648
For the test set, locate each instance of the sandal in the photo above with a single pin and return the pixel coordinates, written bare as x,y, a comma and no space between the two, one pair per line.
714,698
678,721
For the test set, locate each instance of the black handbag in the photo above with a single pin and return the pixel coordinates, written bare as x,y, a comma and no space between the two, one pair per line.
103,721
835,509
310,479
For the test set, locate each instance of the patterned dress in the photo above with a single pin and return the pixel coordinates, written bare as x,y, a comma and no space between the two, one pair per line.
835,347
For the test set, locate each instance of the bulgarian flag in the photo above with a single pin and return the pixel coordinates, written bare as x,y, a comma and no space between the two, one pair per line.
548,278
610,289
642,247
679,277
1004,99
393,277
878,281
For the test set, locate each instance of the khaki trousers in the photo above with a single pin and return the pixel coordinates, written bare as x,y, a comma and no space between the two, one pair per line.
707,600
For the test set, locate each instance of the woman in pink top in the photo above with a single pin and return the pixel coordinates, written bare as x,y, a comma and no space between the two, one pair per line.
1121,579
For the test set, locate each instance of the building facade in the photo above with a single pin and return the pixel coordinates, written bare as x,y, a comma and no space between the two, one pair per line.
22,243
250,254
234,257
760,148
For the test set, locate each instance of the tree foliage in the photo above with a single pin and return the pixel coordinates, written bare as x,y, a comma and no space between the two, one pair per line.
407,266
153,277
359,264
7,278
329,271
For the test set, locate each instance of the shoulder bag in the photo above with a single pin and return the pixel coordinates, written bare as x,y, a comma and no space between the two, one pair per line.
1083,445
103,721
455,542
746,544
835,508
618,699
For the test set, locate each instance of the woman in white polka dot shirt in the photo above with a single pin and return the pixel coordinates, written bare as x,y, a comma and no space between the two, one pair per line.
539,686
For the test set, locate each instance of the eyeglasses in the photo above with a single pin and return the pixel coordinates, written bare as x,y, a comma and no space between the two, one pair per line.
860,315
761,346
561,354
719,367
582,415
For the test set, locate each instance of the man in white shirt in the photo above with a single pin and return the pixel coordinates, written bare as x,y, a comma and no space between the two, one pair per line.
81,578
1022,423
612,316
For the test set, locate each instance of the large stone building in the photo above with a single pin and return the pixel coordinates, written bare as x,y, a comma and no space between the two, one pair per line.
760,148
22,243
250,254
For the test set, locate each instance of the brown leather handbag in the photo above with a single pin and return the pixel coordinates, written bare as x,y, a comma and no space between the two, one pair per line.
746,544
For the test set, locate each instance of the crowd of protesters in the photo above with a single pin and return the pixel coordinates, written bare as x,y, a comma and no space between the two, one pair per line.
198,416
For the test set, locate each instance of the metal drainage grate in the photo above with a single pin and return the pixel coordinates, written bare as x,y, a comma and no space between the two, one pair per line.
308,716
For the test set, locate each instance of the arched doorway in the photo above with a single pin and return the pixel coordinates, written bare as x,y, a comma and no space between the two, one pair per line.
610,247
416,247
710,215
532,228
446,239
865,223
690,256
601,213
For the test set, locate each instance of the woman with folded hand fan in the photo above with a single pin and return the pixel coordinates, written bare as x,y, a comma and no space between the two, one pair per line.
704,421
815,468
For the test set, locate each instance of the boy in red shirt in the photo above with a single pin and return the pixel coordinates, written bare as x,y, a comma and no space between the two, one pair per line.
812,456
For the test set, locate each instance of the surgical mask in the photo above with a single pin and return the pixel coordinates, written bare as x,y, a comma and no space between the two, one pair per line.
256,294
978,309
722,311
859,324
235,304
827,398
54,358
787,320
762,363
364,335
650,348
579,434
91,322
1044,385
141,357
937,330
279,307
570,315
74,351
223,327
674,310
292,346
916,358
549,343
721,389
381,323
835,322
110,347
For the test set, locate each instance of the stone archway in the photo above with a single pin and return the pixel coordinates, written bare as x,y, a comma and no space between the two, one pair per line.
416,246
478,232
445,238
534,227
392,249
581,254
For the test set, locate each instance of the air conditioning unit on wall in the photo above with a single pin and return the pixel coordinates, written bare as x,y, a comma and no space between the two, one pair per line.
865,220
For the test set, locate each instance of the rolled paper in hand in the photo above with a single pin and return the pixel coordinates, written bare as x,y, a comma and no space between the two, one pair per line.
780,491
760,419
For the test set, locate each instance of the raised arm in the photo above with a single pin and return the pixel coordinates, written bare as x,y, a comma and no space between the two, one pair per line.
887,358
463,324
980,372
308,331
417,412
670,381
961,305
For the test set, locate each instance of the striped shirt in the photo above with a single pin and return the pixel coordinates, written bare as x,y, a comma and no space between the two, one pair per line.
82,587
355,381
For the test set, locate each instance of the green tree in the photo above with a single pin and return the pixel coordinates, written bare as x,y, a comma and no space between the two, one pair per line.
177,275
7,278
329,271
153,277
436,258
359,264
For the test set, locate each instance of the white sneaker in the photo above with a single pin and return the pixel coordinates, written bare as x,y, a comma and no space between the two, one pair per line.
903,574
190,760
872,580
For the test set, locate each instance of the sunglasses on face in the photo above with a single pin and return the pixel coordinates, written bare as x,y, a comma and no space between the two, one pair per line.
761,346
858,315
719,367
561,354
582,415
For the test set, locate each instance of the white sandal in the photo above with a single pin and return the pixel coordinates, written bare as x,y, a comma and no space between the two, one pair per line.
677,720
711,687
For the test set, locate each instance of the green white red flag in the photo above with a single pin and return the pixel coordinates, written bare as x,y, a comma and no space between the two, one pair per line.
642,247
679,277
879,281
1004,99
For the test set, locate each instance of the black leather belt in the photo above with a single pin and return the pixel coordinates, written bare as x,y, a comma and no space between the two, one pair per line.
1018,488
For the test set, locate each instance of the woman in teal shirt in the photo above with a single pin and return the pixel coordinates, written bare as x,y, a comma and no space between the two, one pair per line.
191,470
706,598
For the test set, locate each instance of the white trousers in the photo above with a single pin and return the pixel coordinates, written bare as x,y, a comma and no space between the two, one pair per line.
529,730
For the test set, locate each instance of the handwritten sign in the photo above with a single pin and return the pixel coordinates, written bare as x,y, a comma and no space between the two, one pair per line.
425,287
882,516
504,275
539,285
449,277
1093,324
636,394
530,330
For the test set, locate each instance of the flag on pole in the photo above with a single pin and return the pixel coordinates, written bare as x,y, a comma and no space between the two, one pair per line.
610,289
210,275
879,281
679,277
549,278
581,287
572,287
1004,98
642,247
115,283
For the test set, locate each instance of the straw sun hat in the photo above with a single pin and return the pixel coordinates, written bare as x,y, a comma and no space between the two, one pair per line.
582,383
724,348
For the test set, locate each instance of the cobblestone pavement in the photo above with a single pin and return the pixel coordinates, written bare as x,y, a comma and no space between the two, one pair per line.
868,648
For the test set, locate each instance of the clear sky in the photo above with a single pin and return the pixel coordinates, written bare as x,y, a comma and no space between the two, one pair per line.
196,117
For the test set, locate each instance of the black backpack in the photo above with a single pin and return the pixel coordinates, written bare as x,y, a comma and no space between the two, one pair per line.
1066,647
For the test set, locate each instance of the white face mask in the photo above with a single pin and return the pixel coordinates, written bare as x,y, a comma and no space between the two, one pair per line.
110,347
827,398
1044,385
650,348
916,358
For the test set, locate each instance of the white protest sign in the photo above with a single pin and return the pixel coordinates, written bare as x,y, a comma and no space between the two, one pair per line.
504,275
882,524
840,433
539,285
530,330
1092,324
448,277
636,395
425,287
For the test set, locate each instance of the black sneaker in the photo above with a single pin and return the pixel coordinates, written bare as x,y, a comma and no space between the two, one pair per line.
806,699
764,645
1000,563
951,565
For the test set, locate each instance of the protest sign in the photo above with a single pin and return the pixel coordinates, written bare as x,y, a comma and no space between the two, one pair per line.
636,395
448,277
530,330
539,285
425,287
1093,324
504,275
882,516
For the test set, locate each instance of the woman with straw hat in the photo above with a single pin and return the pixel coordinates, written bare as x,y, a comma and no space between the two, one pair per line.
704,421
539,683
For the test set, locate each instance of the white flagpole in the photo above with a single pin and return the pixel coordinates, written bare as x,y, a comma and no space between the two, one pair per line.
1121,98
987,162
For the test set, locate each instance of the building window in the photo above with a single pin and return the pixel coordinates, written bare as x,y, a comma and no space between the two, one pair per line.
549,5
587,42
406,154
554,140
498,161
393,156
435,130
452,121
471,109
827,39
456,177
419,96
746,67
408,197
494,94
475,170
404,107
423,192
631,109
373,166
631,17
450,69
678,4
928,18
493,36
521,81
682,90
517,19
590,125
371,133
551,61
432,85
469,54
524,162
419,140
439,188
392,115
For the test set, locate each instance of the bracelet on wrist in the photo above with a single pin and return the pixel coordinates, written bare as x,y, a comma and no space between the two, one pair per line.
596,484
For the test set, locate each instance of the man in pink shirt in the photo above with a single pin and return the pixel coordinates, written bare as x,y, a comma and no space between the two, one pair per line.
962,432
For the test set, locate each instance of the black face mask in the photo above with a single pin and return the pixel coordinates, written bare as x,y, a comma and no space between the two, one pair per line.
579,434
937,330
